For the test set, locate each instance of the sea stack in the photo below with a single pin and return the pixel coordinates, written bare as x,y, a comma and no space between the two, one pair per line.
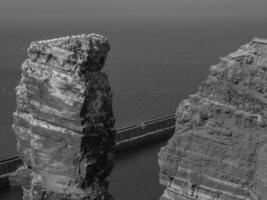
219,148
64,120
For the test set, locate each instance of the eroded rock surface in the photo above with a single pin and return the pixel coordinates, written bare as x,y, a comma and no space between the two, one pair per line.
219,149
64,120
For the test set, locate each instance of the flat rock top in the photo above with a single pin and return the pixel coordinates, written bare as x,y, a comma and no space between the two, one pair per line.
85,42
88,51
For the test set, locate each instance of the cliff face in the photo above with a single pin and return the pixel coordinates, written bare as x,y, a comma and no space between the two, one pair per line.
64,120
219,149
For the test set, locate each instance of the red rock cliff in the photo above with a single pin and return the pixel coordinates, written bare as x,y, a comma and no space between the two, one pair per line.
219,149
64,120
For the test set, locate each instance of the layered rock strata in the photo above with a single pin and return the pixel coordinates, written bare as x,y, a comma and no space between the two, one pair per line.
64,120
219,149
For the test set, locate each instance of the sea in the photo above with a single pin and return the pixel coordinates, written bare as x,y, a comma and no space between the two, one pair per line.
158,57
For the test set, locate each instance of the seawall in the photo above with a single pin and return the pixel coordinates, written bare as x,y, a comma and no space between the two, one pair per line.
126,138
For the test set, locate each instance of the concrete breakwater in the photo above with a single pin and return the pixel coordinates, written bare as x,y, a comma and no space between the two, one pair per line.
144,133
126,138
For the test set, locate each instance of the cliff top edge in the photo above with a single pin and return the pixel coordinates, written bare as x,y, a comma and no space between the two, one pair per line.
90,41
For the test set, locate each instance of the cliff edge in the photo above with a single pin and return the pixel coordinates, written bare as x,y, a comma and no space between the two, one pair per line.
64,120
219,149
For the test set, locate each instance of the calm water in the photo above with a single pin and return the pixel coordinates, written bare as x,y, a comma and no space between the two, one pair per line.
161,51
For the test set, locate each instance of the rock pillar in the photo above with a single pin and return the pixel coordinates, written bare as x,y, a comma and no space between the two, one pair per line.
64,120
219,149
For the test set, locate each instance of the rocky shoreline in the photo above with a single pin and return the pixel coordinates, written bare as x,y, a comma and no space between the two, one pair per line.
64,125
